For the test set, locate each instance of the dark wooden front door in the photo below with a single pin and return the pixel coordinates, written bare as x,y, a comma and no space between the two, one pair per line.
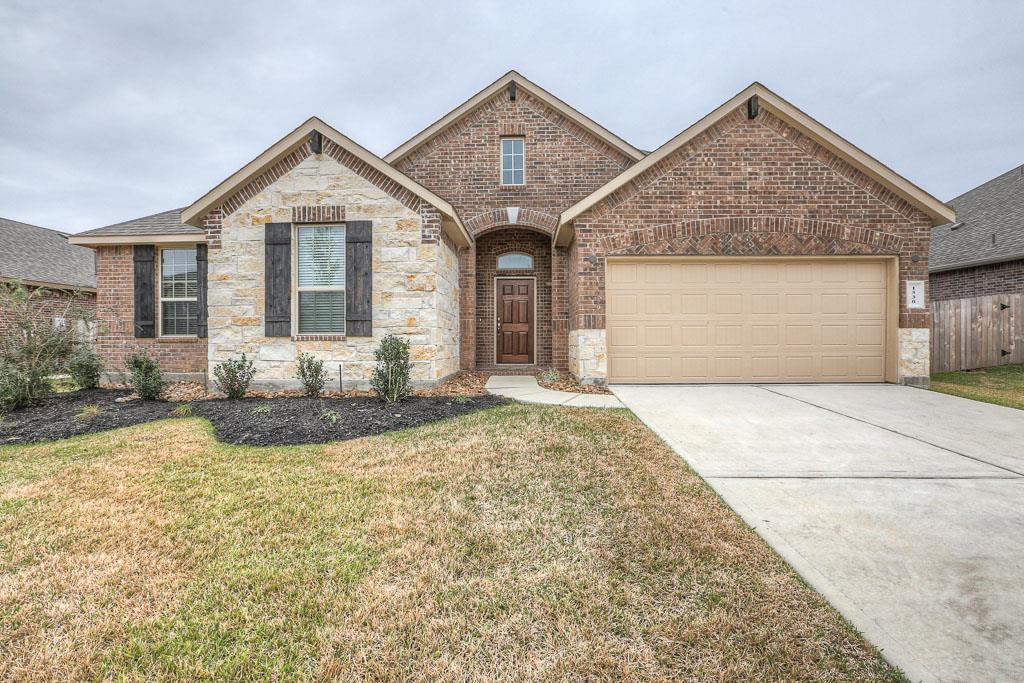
514,308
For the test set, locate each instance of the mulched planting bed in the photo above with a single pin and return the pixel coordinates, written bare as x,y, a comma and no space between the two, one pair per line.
59,416
251,421
290,421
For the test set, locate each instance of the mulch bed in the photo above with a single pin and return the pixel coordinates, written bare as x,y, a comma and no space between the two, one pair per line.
251,421
59,416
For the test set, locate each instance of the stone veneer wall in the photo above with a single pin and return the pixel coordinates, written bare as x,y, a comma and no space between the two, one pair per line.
751,188
588,356
415,290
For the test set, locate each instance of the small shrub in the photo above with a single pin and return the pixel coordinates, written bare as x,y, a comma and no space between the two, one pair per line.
183,410
88,412
144,376
463,400
85,368
391,376
312,374
331,416
31,347
261,409
233,376
551,375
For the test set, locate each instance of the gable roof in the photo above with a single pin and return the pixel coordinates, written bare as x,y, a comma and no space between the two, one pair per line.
494,88
40,256
193,215
939,212
989,226
165,226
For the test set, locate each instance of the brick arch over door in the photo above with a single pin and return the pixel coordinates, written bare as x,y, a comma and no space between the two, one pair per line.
499,219
488,248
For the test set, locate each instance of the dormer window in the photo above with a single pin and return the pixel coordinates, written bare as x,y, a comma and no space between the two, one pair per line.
512,161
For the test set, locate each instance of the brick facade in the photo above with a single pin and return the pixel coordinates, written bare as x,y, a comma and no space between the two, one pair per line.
563,163
115,322
48,304
488,248
993,278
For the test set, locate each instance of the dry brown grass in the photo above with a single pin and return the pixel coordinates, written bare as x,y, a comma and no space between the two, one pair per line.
520,543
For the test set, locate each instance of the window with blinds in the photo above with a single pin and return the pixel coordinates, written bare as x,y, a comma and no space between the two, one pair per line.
321,279
179,283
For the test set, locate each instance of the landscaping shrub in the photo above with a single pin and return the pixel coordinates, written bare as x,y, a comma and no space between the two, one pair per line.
31,347
233,376
144,376
551,375
85,368
391,376
312,374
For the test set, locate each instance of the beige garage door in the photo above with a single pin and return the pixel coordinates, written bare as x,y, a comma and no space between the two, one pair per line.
762,320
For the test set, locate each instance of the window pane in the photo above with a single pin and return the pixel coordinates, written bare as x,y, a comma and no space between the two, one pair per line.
321,312
178,273
515,261
506,177
517,177
178,317
322,256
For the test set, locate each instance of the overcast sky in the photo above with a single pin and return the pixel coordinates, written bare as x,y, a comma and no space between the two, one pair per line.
114,110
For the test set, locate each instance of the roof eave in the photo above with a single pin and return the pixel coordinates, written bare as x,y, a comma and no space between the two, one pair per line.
90,289
194,214
161,238
486,94
974,264
939,212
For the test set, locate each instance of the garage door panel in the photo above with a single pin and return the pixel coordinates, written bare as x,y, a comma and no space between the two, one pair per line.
757,321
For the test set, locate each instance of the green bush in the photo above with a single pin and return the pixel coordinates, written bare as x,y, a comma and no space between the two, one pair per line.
85,368
233,376
32,348
312,374
144,376
391,376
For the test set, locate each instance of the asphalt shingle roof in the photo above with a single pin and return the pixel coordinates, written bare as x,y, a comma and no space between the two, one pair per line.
29,252
989,225
163,223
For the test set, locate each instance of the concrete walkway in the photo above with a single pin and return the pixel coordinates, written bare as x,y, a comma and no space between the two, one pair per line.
526,389
903,507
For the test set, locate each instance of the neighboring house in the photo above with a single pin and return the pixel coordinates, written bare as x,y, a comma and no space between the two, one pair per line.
982,252
516,233
43,260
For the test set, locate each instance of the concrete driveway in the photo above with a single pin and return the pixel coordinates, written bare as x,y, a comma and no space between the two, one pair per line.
905,508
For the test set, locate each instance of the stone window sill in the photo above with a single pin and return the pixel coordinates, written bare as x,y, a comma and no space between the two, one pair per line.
320,337
177,340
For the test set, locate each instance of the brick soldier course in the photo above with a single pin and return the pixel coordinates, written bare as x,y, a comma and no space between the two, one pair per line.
747,181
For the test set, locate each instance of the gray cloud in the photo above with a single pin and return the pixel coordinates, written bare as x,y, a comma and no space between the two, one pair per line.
111,110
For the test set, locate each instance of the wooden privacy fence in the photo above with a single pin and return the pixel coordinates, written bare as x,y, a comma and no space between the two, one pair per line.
978,332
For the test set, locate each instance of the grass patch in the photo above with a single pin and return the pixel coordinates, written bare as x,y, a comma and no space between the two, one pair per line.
88,412
1002,385
522,542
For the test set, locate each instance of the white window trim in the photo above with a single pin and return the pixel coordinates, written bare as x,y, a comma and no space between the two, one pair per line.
160,298
295,281
501,160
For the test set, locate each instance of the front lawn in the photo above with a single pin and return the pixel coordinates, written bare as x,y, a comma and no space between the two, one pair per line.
1002,385
520,542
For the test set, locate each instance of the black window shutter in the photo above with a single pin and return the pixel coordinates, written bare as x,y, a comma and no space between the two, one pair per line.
201,280
145,289
278,286
358,279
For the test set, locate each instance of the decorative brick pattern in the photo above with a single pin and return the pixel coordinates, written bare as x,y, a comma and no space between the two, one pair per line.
318,214
993,278
48,304
563,164
212,224
488,248
746,188
115,322
265,179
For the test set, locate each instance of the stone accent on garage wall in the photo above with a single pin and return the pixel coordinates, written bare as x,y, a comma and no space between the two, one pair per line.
415,284
914,356
588,356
